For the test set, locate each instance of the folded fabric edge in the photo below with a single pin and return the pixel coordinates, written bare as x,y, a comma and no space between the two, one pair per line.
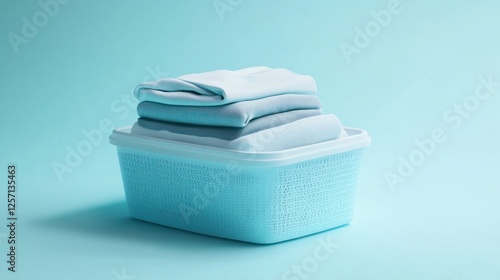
245,143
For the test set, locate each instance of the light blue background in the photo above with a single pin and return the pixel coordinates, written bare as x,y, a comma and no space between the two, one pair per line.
442,222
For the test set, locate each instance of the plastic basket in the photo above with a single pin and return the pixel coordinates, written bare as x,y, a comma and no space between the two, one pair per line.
255,197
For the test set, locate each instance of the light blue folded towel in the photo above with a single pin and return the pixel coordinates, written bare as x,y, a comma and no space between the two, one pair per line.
223,87
302,132
237,114
229,133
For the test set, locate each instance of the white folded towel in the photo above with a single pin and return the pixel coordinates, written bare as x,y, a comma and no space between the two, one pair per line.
221,87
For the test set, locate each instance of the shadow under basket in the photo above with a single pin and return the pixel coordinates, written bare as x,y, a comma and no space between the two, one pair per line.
260,197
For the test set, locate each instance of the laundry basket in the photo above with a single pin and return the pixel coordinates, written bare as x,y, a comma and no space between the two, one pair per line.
264,197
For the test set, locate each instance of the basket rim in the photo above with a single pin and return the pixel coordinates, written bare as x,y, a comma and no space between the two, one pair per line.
357,138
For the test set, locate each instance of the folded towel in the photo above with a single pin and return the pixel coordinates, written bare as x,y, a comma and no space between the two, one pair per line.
229,133
223,87
237,114
302,132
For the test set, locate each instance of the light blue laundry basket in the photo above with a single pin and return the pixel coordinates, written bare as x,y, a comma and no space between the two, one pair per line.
255,197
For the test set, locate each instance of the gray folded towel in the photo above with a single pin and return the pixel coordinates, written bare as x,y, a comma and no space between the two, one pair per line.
229,133
237,114
298,133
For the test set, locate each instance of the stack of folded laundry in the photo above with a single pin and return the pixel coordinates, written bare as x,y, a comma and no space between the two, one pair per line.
252,109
